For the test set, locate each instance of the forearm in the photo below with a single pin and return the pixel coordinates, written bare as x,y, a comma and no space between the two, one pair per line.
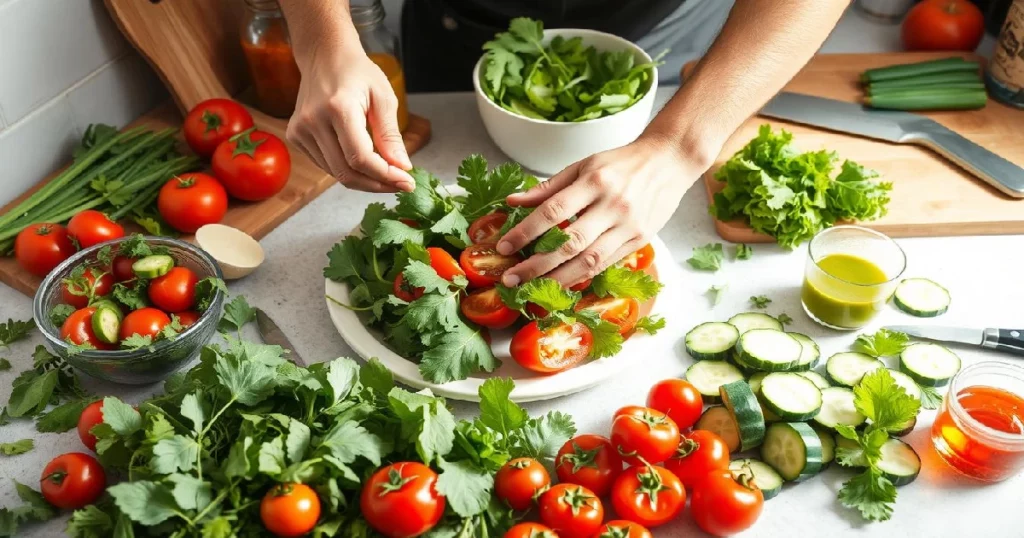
316,25
763,44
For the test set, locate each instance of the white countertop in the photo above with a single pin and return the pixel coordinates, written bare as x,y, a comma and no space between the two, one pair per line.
979,271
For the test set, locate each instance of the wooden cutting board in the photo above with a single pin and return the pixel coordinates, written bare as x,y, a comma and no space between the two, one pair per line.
930,196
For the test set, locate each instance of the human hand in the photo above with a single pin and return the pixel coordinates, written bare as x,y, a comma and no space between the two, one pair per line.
622,197
342,93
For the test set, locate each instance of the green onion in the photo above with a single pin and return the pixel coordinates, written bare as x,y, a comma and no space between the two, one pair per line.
903,71
940,99
935,79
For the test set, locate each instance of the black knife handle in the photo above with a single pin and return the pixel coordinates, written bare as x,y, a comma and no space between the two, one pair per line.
1006,340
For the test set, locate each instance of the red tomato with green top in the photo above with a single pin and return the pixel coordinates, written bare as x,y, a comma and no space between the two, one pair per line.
551,350
649,495
641,259
90,227
622,311
620,528
93,283
193,200
252,165
530,530
213,121
444,264
77,329
485,307
678,399
699,453
590,461
290,510
404,291
572,511
73,480
723,504
401,500
484,266
487,229
41,247
644,435
91,416
175,291
519,481
147,321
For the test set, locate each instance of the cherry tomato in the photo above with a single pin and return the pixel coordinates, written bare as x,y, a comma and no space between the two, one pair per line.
404,291
487,229
410,223
519,481
73,480
699,453
144,322
536,311
79,291
485,307
445,265
590,461
644,435
187,318
91,416
943,25
41,247
678,399
78,329
580,286
724,505
290,509
252,165
175,291
122,268
91,227
622,311
620,528
484,266
530,530
641,259
552,350
651,496
213,121
401,500
571,511
190,201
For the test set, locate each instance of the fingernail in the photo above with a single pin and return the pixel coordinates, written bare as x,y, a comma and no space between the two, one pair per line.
406,186
510,281
505,248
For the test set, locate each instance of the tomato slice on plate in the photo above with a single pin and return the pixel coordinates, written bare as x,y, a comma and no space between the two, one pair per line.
580,286
404,291
484,266
487,229
444,263
641,259
484,307
553,350
536,311
622,311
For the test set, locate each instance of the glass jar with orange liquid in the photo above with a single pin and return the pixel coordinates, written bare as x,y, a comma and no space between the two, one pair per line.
268,53
979,430
382,48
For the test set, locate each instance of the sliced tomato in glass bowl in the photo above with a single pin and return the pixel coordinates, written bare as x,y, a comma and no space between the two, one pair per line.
622,311
487,229
552,350
485,307
484,266
639,260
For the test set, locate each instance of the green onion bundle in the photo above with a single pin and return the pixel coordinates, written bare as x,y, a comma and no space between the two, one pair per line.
946,84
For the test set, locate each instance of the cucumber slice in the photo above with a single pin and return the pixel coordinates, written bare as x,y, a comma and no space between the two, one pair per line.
848,444
905,428
718,420
791,396
153,266
768,350
816,378
755,382
930,365
848,368
746,412
899,462
106,324
792,449
708,376
908,383
810,354
711,341
107,303
755,387
765,478
837,408
754,320
828,446
921,297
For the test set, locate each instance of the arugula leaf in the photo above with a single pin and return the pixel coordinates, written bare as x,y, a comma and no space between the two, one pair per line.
621,282
551,240
884,343
17,447
60,313
715,293
930,397
707,258
466,487
650,324
237,313
760,301
743,251
14,330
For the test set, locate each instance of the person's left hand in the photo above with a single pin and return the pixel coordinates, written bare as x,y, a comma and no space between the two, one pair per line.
622,197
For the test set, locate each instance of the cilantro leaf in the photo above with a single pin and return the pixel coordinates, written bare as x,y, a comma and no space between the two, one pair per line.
453,224
132,294
486,191
544,292
60,313
606,340
707,258
784,319
271,457
650,324
884,343
880,399
760,301
621,282
136,341
174,454
135,246
422,275
460,352
17,447
375,212
466,487
423,204
206,290
743,251
497,410
425,422
29,399
236,314
192,409
345,260
348,441
247,382
551,241
395,232
715,293
146,502
434,312
871,493
190,492
930,397
14,330
541,438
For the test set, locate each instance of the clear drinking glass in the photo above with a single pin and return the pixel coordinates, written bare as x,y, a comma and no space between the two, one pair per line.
851,273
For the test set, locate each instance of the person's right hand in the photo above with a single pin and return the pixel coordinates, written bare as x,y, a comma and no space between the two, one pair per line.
342,93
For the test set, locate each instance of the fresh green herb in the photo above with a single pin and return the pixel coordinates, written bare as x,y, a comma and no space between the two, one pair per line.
619,281
707,258
206,290
650,324
137,341
4,364
715,293
607,340
760,301
546,293
60,313
884,343
51,380
73,349
743,251
236,314
791,195
784,319
551,240
132,294
931,398
34,509
14,330
17,447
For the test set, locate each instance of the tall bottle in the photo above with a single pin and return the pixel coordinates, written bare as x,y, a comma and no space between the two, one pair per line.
382,48
1005,74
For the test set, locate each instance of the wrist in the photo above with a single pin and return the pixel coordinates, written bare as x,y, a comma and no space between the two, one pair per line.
319,37
689,145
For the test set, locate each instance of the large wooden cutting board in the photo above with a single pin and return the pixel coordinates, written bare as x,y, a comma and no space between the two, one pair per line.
930,196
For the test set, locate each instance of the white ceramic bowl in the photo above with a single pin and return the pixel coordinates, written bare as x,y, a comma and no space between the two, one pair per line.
546,147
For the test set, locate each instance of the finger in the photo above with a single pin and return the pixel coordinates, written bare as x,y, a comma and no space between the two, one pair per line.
582,234
611,247
307,143
387,138
546,189
359,154
564,204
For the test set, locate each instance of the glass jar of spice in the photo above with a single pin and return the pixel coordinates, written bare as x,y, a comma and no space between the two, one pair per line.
382,48
1005,74
268,52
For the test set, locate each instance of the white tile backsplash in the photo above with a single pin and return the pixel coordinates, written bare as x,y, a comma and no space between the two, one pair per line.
34,147
117,94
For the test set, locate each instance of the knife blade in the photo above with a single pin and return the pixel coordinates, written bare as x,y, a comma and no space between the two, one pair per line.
1006,340
900,128
273,335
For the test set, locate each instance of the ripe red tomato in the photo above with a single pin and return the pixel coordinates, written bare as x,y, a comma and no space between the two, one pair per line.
536,311
252,165
484,266
78,329
213,121
175,291
445,265
93,283
641,259
519,480
190,201
643,435
41,247
401,500
485,307
553,350
530,530
91,416
590,461
290,509
90,227
572,511
73,480
487,229
144,322
678,399
122,268
650,496
699,453
404,291
723,505
943,25
622,311
187,318
580,286
620,528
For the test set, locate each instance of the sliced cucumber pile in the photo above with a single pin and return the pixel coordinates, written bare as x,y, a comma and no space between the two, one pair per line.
708,376
768,350
711,341
921,297
848,368
765,478
810,354
793,450
755,386
790,396
837,408
828,447
754,320
816,378
718,420
907,382
746,413
899,463
930,365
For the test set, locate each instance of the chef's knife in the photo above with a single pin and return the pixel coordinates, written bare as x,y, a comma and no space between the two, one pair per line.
273,335
901,128
1008,340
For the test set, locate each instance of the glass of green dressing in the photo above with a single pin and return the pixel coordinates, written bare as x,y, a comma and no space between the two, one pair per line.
851,273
